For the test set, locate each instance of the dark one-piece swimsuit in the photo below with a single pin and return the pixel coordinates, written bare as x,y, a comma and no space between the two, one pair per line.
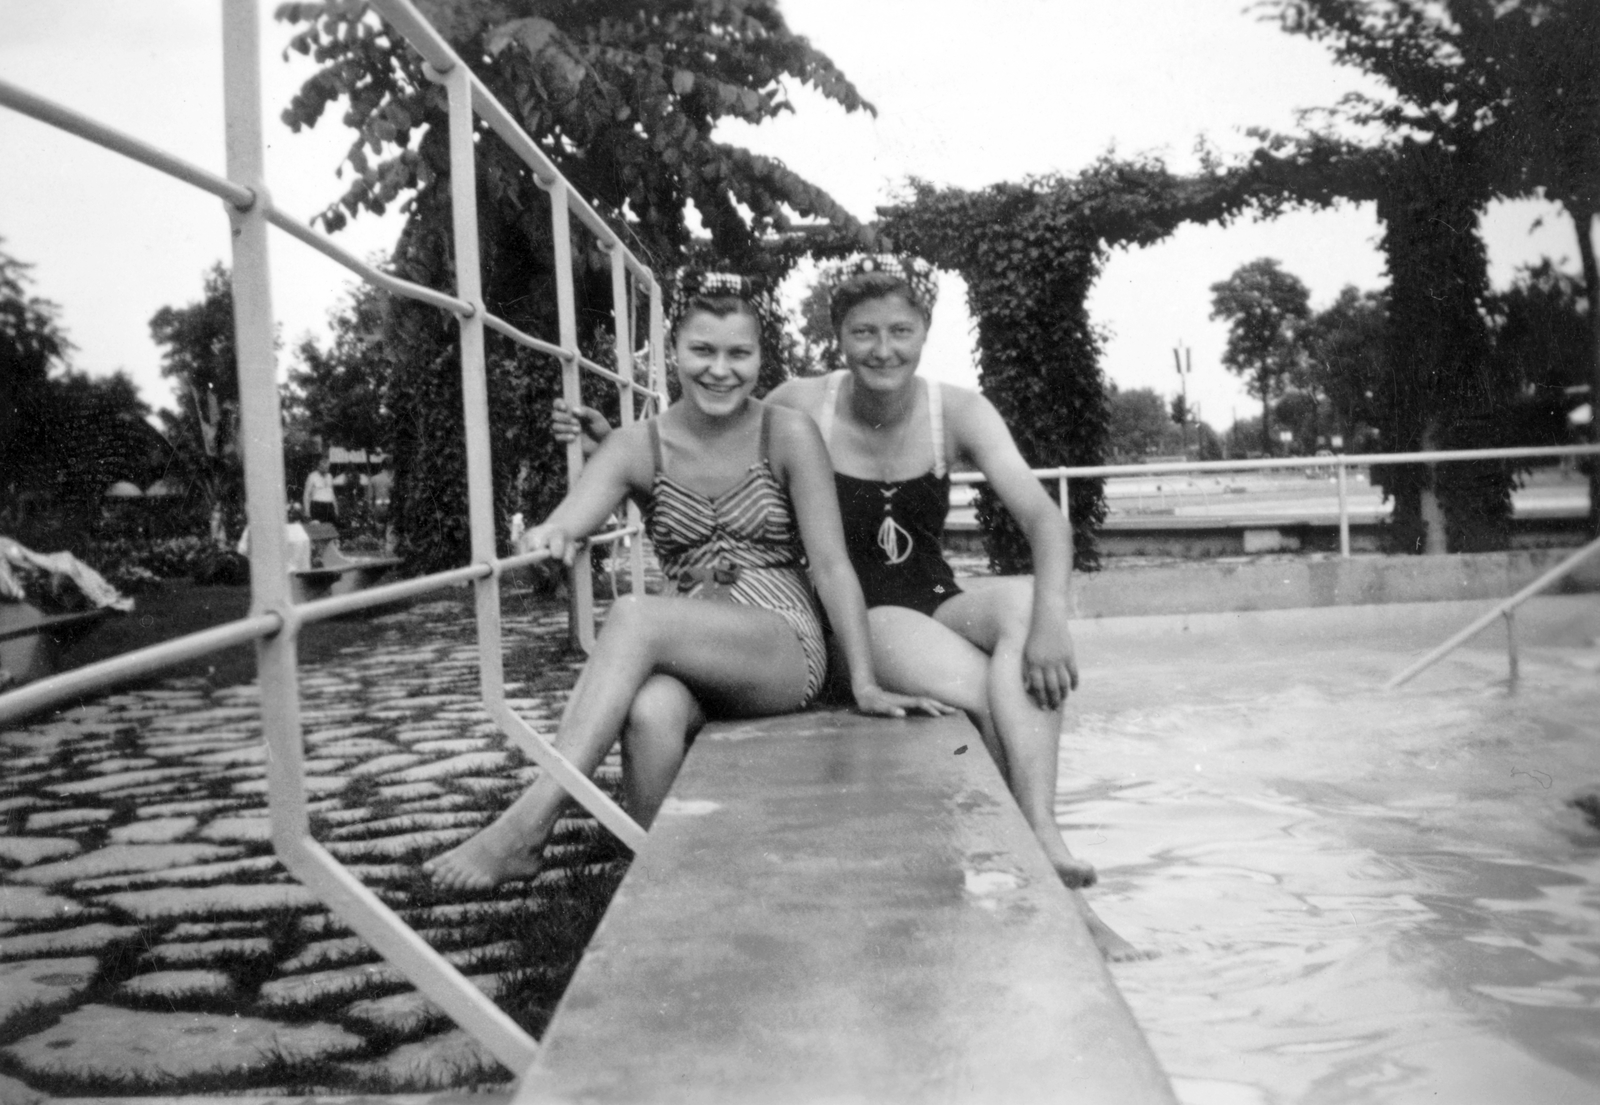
893,528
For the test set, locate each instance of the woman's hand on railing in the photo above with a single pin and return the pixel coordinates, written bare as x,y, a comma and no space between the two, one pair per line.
552,539
877,702
580,423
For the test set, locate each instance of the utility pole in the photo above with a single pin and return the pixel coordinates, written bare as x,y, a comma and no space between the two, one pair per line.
1183,361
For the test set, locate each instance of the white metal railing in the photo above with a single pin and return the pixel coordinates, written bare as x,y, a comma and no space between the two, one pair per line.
1341,463
274,621
1506,609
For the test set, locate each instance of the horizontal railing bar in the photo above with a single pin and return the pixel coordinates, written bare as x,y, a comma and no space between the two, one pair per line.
369,273
1482,623
321,609
416,29
538,345
73,122
611,537
1348,460
56,689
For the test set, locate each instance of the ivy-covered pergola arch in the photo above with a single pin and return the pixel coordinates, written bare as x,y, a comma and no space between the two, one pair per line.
1030,253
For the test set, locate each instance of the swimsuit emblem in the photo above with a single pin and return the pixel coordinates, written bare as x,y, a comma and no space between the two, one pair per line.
895,542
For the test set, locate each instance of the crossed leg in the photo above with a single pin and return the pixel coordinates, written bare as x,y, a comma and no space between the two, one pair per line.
736,660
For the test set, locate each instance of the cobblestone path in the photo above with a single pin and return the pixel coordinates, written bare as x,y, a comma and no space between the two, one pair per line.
151,942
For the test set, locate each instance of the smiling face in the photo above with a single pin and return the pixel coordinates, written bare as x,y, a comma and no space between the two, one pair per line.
719,360
882,340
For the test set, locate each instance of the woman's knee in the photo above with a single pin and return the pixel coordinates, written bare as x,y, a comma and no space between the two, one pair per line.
1012,609
630,616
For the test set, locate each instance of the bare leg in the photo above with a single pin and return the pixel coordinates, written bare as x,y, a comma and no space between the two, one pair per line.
739,660
663,717
994,616
914,654
911,650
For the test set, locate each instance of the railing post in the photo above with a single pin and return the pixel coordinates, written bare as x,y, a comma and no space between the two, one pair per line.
658,348
260,427
1511,644
580,610
474,384
622,327
1344,507
1061,492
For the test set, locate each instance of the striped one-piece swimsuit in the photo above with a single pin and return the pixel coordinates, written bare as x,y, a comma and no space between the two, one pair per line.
742,545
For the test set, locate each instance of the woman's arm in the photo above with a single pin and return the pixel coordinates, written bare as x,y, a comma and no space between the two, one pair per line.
981,436
801,461
624,463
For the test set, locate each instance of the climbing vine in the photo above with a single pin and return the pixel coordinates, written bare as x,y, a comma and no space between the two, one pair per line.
1030,254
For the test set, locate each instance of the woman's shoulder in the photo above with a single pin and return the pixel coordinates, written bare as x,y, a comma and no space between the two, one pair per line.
972,421
963,406
799,393
787,420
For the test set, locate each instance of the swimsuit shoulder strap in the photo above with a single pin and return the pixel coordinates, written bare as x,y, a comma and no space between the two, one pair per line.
766,431
830,400
936,425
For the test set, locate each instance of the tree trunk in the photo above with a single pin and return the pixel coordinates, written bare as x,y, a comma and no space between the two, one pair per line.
1583,218
1266,419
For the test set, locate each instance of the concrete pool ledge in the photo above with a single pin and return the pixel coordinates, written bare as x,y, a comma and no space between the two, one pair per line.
843,909
1203,587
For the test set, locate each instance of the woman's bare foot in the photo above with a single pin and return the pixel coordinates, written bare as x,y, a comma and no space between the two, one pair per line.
493,856
1113,947
1076,873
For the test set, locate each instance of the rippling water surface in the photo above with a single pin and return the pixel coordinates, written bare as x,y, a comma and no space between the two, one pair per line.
1353,895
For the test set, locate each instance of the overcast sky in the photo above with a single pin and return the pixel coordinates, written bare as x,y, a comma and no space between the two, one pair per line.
969,93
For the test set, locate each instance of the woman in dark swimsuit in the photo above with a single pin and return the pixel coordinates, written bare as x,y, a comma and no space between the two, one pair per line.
997,647
739,503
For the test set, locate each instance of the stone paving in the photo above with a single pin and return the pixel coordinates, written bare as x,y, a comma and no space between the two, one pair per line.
151,942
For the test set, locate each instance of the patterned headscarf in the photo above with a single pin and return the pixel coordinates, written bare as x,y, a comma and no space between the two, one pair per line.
689,284
919,277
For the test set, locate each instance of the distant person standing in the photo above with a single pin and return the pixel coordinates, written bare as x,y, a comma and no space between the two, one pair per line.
379,488
319,500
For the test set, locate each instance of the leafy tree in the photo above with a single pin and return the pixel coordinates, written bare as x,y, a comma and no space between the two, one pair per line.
1140,424
32,343
198,352
1541,55
819,344
624,100
1443,153
1541,342
337,394
1346,360
1267,309
64,436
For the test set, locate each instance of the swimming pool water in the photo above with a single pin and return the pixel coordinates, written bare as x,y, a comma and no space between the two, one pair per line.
1353,895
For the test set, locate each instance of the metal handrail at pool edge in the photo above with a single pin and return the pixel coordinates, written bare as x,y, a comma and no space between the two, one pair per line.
1341,462
1506,609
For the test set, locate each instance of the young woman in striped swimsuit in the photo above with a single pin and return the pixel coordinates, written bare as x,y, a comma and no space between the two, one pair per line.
740,500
